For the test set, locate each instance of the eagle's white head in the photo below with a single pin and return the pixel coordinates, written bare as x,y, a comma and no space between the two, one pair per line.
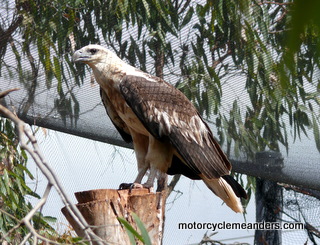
106,65
94,54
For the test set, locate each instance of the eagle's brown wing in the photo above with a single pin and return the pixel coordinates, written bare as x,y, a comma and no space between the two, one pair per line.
169,116
114,117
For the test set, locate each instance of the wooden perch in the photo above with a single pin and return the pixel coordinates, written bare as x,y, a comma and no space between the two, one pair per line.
101,208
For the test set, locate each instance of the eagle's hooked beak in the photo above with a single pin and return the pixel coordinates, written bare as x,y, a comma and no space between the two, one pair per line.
80,56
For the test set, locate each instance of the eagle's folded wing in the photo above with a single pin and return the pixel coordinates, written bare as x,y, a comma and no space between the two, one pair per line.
169,116
114,117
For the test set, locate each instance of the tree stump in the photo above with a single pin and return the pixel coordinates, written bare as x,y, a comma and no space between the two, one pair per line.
101,208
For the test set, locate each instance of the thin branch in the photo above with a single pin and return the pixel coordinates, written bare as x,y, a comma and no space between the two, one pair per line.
42,201
221,58
33,82
275,3
26,238
5,93
6,34
304,191
173,183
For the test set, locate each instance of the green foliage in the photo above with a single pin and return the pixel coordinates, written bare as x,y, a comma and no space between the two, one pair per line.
14,191
15,194
133,233
248,39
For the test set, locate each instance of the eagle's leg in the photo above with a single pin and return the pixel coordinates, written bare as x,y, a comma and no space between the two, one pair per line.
159,158
141,172
162,182
140,145
151,177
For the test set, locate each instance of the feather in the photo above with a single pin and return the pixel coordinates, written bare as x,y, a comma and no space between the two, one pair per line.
115,119
223,190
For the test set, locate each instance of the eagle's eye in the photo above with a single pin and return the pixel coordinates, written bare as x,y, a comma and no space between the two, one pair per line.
93,51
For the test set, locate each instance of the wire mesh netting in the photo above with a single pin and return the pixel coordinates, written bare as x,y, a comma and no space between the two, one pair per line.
299,207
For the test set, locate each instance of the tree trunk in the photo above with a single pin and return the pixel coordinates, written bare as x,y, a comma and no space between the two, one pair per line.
268,199
101,208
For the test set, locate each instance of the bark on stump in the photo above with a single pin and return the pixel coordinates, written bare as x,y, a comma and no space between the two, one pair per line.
101,208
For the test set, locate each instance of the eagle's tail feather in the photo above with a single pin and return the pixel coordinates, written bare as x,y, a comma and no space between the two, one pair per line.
224,190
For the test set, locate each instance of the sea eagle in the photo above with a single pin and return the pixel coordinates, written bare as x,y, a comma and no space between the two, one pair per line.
168,133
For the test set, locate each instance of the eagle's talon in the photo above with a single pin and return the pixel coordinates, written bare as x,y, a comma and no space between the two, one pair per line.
125,186
130,186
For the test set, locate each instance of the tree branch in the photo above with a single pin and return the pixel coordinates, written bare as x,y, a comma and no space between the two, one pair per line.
173,183
221,58
5,93
6,34
275,3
